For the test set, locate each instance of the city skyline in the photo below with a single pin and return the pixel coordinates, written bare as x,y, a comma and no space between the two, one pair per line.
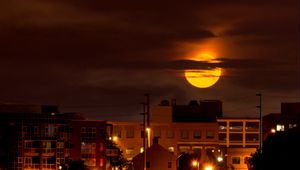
99,58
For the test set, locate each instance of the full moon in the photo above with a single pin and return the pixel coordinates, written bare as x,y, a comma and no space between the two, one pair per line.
203,78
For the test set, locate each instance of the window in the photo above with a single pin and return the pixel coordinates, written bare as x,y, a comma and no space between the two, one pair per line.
169,164
130,133
235,160
141,149
222,137
142,134
148,164
170,134
197,150
279,127
184,149
197,134
129,151
157,133
171,149
210,135
252,137
236,137
184,134
252,126
117,132
20,160
101,162
236,126
222,126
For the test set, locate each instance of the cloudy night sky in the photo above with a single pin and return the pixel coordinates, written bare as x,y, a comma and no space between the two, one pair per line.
100,57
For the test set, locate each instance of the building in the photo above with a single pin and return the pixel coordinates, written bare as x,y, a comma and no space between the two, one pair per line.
289,118
89,143
165,160
38,137
197,135
238,138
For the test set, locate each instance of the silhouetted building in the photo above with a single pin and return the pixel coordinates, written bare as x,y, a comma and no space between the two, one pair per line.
289,118
39,137
206,111
157,157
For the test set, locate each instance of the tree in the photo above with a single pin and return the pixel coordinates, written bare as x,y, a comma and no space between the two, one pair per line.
116,158
280,151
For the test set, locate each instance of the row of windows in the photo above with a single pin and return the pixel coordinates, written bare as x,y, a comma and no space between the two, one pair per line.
237,160
170,134
239,137
238,126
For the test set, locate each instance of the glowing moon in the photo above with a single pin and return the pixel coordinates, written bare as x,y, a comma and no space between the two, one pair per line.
203,78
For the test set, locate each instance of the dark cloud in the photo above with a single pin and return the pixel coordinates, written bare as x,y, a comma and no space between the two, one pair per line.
81,54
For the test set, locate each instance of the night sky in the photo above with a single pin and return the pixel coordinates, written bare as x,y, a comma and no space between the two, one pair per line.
100,57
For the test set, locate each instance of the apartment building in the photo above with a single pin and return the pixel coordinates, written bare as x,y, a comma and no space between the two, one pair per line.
180,129
38,137
238,138
178,138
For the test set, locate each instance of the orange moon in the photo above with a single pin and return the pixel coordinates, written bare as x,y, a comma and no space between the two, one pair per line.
203,78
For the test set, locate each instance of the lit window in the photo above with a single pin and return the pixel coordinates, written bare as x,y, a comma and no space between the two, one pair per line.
101,162
171,149
141,149
184,149
129,151
279,127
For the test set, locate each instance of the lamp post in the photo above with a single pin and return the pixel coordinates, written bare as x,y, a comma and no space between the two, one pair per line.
196,163
260,122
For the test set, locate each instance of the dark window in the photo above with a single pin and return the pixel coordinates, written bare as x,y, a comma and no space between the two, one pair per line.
35,160
197,134
209,135
148,164
235,160
142,134
222,137
184,134
252,137
130,133
170,134
252,126
236,137
169,164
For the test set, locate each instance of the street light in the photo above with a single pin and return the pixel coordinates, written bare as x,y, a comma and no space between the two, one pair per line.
208,167
148,136
195,164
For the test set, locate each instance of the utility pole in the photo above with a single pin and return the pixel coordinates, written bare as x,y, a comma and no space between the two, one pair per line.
147,103
146,124
260,123
144,135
